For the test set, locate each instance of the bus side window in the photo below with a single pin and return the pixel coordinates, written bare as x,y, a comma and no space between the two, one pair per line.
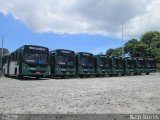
9,58
3,60
12,57
16,53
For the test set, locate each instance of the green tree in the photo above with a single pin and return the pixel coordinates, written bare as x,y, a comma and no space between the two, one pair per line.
135,48
152,41
130,46
140,50
114,52
148,46
150,37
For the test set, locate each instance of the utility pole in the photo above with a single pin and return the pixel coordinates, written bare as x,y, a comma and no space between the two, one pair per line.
2,56
122,40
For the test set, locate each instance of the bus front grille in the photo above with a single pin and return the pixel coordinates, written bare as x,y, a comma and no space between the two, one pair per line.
37,72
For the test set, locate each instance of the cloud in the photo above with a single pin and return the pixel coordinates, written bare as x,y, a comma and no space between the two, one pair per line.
86,16
145,22
101,49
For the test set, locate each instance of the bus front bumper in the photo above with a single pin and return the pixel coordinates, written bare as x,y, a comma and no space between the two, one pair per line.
35,72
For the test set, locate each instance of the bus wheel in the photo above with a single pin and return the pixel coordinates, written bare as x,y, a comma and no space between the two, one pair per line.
81,76
147,73
63,77
97,75
37,77
73,76
88,76
122,74
110,75
19,77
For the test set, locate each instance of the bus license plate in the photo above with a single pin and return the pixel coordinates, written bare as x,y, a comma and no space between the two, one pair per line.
38,72
67,72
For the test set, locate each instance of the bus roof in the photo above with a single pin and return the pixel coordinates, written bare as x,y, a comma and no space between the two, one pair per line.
100,56
84,53
56,50
117,57
22,47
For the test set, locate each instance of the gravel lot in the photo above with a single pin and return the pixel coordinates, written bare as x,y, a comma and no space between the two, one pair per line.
129,94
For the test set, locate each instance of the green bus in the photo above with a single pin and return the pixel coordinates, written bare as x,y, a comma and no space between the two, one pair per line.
62,63
150,64
28,60
141,65
117,66
84,64
102,66
130,66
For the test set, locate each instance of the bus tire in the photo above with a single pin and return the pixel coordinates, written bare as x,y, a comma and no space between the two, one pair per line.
122,74
37,77
63,77
110,75
73,76
115,75
15,72
81,76
19,76
97,75
147,73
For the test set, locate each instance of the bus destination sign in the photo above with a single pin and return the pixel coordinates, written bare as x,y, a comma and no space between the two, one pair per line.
102,56
36,48
86,54
64,51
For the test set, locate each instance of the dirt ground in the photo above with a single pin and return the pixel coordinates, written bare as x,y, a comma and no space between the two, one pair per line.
129,94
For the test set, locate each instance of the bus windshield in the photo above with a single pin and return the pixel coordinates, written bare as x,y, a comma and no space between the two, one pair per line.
102,61
65,59
141,63
36,58
86,60
118,63
130,63
151,64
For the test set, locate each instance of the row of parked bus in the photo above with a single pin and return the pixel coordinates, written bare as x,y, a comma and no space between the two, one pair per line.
38,61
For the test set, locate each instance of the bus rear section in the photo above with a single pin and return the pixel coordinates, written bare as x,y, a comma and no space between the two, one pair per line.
117,66
150,64
85,64
62,63
102,67
29,60
129,66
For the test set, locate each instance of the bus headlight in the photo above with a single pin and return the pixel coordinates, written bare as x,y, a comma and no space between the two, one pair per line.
57,69
32,69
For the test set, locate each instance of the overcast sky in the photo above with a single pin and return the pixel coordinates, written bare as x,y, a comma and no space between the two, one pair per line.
92,17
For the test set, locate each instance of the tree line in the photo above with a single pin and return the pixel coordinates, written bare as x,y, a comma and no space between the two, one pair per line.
147,46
